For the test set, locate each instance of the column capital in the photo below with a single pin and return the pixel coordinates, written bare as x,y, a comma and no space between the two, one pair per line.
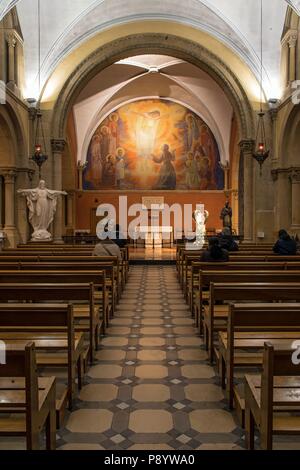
58,145
247,145
295,175
274,174
273,114
9,176
292,40
11,39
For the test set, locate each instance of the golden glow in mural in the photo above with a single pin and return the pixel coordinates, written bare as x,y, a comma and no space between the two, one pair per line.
153,144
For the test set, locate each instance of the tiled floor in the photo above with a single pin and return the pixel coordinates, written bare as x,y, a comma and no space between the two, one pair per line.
151,387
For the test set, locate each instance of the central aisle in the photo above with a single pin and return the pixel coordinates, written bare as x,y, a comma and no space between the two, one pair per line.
151,387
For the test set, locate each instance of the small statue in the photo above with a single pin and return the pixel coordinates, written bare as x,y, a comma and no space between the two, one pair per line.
200,217
41,203
226,216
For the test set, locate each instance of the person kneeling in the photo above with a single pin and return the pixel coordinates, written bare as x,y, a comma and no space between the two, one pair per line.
285,245
215,253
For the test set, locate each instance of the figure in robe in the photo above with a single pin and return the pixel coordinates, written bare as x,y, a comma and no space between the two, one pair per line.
113,133
109,172
206,141
192,178
105,142
190,132
41,203
200,217
226,216
146,132
120,167
96,170
167,173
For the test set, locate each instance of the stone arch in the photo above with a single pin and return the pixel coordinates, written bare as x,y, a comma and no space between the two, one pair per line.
15,132
171,45
154,44
289,139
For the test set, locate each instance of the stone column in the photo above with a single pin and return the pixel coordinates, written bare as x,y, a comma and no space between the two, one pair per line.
80,167
282,197
11,41
234,203
70,205
247,149
1,195
58,146
292,41
274,115
226,168
10,227
295,179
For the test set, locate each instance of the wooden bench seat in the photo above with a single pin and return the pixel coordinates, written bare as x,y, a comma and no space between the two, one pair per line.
51,292
263,292
194,277
249,327
278,387
54,348
22,390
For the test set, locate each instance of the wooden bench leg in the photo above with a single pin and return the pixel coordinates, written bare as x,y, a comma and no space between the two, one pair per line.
205,336
80,371
222,372
249,429
97,334
33,439
51,426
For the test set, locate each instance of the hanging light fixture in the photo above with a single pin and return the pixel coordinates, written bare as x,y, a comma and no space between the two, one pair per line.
261,152
39,155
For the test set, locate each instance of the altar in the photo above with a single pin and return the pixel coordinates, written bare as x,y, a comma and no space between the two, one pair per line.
155,236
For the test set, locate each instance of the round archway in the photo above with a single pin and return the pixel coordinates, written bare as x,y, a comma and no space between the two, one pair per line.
182,49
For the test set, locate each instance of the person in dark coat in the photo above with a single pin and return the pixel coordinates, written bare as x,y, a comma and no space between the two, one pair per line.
227,241
285,245
215,253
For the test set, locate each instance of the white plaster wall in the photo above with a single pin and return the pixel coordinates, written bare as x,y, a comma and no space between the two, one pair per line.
65,24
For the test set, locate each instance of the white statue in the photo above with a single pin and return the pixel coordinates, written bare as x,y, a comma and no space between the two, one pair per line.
41,203
200,216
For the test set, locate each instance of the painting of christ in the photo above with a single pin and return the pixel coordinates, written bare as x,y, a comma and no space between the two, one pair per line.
153,144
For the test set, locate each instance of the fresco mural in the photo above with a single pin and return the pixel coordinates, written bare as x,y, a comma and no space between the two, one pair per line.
153,145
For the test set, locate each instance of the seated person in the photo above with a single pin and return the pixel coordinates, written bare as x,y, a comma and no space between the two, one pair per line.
285,245
107,248
118,237
226,240
215,253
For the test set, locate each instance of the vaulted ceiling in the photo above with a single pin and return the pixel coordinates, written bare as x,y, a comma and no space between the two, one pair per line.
67,24
152,76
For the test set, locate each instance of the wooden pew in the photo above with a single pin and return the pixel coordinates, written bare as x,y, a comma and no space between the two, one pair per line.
51,328
22,391
278,387
242,292
188,258
249,326
232,276
121,272
98,278
194,287
60,292
113,281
